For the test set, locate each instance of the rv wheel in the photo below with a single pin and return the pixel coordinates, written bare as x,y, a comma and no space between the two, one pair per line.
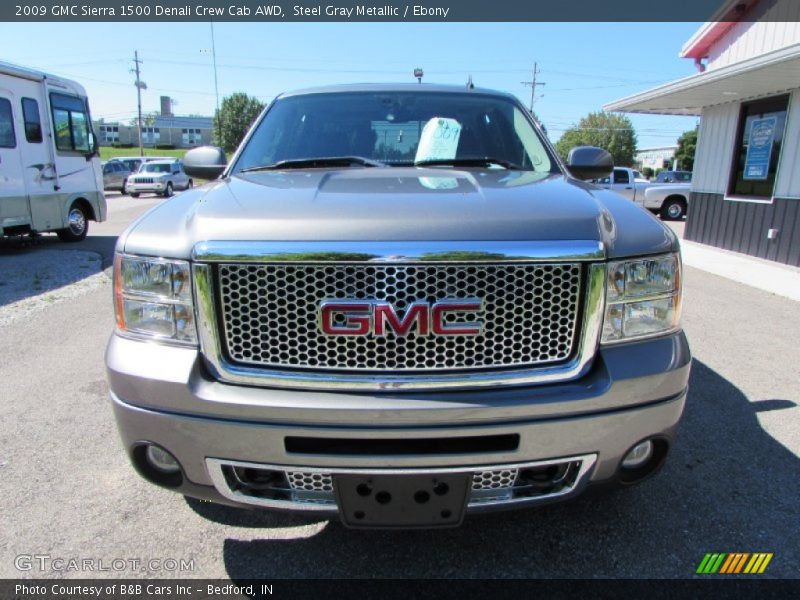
78,225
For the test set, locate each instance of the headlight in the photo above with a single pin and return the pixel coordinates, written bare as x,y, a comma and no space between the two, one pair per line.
643,298
153,299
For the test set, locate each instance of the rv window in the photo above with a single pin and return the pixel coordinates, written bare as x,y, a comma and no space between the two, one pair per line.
7,137
70,122
33,124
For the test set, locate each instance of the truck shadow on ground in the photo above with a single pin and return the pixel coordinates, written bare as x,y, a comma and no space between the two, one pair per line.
727,486
29,267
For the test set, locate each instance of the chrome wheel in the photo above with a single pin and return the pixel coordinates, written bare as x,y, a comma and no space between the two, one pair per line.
168,191
674,211
77,221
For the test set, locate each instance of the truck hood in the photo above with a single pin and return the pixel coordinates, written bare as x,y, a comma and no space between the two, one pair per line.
397,204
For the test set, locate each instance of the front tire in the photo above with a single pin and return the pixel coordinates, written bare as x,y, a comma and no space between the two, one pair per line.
124,185
134,194
168,191
78,227
673,209
190,185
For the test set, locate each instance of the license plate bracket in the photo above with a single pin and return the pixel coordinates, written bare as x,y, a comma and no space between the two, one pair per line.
402,501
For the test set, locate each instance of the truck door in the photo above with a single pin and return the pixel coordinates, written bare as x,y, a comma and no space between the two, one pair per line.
623,184
14,209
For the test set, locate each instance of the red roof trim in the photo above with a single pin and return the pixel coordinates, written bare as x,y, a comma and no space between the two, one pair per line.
728,16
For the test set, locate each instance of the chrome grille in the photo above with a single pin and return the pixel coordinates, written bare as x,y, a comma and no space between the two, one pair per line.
143,180
493,480
269,314
310,481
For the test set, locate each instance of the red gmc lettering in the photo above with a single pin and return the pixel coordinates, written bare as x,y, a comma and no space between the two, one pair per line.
363,317
358,316
417,312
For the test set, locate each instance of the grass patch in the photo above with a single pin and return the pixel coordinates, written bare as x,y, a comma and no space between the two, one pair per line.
107,152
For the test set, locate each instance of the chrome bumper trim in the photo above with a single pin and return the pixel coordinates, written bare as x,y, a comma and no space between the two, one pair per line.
215,470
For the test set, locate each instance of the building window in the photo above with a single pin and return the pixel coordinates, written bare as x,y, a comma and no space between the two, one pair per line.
191,137
7,137
109,133
33,123
71,123
151,135
758,147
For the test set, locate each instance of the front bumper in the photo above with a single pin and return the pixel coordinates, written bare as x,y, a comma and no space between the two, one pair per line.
143,188
164,395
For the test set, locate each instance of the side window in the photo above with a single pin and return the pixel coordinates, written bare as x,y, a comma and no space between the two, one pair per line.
621,176
33,123
71,123
7,137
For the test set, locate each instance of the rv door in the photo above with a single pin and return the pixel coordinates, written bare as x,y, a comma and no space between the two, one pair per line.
14,209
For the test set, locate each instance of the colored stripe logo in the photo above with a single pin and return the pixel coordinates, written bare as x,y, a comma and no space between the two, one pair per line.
723,563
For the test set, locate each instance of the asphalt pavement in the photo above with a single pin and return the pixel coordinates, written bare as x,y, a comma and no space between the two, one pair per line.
731,484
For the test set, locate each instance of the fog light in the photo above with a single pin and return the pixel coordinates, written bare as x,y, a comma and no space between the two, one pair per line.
638,455
162,460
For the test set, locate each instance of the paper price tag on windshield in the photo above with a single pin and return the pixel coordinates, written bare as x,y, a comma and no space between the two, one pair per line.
439,139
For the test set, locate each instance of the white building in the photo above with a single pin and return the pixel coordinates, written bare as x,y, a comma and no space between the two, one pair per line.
660,157
746,183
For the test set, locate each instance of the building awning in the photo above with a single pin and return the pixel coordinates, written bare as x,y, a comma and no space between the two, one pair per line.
763,75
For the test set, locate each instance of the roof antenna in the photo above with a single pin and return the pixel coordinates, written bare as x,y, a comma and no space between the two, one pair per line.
470,85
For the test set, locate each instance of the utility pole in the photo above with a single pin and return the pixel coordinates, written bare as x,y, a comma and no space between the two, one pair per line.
140,85
216,87
533,83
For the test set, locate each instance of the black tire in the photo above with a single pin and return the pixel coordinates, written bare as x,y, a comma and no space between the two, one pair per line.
673,209
124,185
134,194
78,219
168,191
190,185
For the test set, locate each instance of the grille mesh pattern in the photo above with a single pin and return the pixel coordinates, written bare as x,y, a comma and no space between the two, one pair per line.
310,482
270,314
494,480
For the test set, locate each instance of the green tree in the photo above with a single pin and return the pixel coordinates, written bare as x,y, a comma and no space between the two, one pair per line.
687,144
234,118
613,133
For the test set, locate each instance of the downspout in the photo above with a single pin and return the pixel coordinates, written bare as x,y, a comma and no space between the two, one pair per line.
698,64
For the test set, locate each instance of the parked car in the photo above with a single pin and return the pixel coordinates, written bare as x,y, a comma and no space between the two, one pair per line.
50,174
159,177
674,177
134,162
397,336
671,201
115,175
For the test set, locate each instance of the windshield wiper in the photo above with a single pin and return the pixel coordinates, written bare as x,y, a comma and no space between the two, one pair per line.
483,161
310,163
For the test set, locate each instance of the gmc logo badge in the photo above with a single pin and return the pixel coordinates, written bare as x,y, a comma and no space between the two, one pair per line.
365,317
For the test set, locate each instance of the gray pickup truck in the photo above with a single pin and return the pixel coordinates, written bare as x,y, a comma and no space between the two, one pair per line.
396,304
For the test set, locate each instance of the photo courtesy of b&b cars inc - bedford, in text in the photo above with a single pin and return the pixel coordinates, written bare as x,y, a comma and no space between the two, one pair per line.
437,299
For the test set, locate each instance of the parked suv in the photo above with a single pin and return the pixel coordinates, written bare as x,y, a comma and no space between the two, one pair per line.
159,177
397,305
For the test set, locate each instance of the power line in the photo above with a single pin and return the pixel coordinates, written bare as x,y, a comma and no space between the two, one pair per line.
139,85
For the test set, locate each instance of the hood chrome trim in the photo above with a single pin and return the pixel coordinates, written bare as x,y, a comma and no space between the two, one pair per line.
383,252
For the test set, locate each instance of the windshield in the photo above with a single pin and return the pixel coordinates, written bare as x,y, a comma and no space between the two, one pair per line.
397,128
155,168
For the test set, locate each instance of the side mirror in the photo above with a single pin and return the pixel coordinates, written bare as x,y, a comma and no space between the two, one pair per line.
589,162
205,162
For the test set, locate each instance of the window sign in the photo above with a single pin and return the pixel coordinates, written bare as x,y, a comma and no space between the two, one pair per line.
759,148
439,139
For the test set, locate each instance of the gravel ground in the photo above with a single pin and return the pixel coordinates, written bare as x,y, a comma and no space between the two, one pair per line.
33,280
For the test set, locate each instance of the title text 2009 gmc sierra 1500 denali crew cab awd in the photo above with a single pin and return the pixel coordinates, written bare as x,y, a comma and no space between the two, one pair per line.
397,305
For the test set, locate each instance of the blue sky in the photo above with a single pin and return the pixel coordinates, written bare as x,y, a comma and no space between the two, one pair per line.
584,65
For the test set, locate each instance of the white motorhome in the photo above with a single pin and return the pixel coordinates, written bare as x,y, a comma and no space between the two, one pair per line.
50,173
